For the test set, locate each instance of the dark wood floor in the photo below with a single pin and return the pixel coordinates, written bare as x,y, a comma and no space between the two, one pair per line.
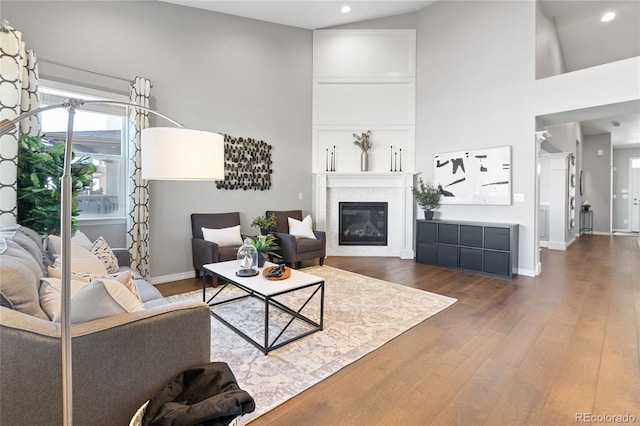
528,351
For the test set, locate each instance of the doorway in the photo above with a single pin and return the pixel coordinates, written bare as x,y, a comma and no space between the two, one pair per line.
635,194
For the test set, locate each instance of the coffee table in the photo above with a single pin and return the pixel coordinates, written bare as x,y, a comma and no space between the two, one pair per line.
267,291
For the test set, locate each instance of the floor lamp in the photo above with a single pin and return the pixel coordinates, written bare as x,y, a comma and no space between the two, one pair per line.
166,154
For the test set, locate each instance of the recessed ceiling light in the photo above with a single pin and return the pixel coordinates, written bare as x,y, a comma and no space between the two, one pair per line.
609,16
345,9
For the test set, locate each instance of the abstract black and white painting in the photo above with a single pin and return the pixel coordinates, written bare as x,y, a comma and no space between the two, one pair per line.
477,176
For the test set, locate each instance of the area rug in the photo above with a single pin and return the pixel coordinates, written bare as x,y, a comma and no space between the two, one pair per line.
360,315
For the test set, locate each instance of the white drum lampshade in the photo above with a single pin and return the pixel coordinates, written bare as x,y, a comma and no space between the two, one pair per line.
170,153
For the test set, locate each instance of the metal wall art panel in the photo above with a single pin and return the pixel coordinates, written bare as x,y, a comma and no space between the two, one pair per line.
247,164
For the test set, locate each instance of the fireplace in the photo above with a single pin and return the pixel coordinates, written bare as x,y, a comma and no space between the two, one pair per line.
362,224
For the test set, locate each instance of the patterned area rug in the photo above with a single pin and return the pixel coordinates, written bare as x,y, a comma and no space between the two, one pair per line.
360,315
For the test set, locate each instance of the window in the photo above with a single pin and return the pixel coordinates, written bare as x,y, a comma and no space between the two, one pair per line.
100,133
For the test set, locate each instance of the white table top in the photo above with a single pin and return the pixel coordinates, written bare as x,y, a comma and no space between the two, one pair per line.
259,283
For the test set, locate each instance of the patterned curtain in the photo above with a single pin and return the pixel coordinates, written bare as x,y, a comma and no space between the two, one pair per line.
138,221
18,94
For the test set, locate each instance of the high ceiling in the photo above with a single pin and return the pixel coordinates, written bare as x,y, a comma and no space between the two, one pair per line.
585,41
309,14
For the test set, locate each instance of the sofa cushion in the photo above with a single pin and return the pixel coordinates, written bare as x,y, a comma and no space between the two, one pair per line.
50,291
20,281
125,278
147,291
102,251
100,299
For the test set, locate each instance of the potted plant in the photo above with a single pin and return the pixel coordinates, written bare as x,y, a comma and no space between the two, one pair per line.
427,196
40,168
266,245
266,224
586,206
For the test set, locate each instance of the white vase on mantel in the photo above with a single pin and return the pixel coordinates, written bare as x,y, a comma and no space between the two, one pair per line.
364,161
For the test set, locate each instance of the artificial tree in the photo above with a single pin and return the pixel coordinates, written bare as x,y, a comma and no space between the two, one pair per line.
40,168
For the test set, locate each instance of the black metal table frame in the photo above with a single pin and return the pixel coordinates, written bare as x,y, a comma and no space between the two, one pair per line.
268,301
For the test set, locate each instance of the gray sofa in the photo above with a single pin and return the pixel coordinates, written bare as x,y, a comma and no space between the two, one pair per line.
118,362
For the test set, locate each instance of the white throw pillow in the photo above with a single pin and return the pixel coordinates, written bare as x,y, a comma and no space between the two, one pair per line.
224,237
125,278
102,251
83,261
79,239
100,299
302,229
50,290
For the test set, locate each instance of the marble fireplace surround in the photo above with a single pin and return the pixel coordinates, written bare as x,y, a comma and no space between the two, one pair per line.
395,188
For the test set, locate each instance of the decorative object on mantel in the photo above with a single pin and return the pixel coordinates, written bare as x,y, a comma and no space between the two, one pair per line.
266,224
247,164
396,161
427,196
330,164
364,144
586,206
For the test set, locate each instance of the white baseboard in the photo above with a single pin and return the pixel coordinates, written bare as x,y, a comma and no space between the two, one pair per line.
557,245
544,244
407,254
601,233
527,272
173,277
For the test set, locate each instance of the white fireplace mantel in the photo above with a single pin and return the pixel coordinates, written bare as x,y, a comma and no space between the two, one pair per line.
331,188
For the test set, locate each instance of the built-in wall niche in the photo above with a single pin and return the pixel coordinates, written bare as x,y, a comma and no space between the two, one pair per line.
364,80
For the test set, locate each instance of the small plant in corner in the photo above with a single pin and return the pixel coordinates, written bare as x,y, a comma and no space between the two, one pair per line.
427,196
586,206
266,224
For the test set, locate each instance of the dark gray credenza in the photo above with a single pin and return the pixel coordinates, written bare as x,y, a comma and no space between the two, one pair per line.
490,248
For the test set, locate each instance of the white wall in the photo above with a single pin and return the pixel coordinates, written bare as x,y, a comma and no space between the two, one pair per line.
476,65
597,177
549,55
209,71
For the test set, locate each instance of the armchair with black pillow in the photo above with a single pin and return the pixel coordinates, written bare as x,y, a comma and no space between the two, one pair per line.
215,238
296,237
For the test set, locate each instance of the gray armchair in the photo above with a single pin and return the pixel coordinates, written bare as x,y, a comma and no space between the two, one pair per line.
205,252
296,250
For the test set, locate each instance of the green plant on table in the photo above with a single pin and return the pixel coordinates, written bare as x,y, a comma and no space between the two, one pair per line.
39,176
266,245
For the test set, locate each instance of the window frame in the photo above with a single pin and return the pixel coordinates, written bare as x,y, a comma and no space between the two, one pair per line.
83,92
